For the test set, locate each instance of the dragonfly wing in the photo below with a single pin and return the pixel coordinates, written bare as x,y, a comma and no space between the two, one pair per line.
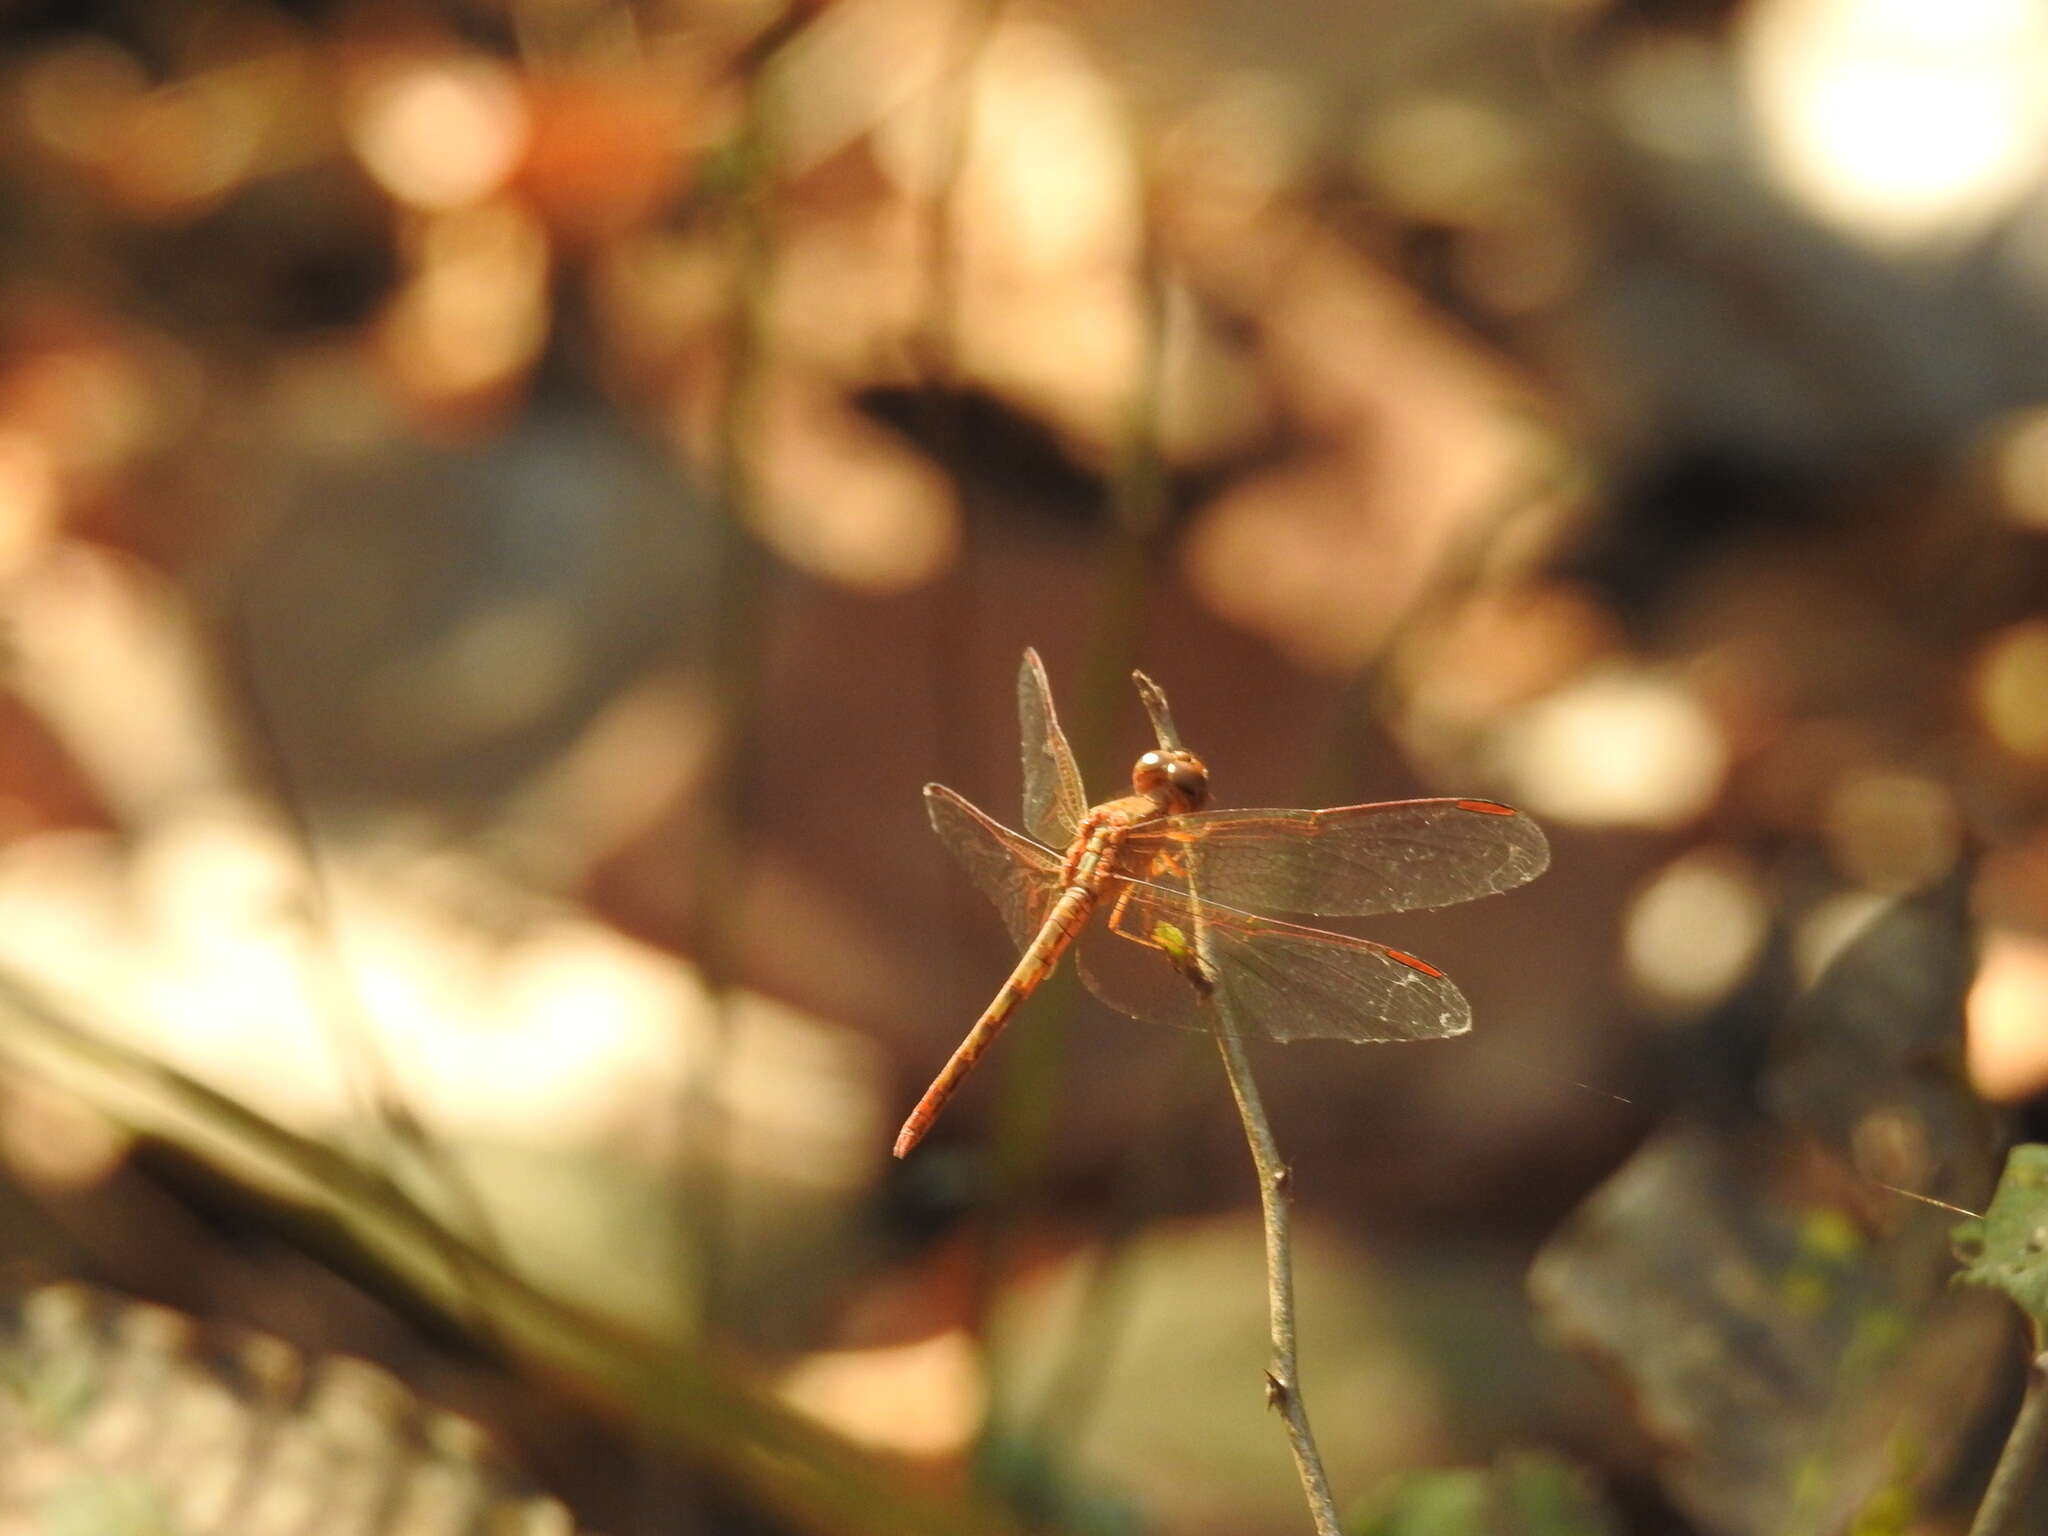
1016,874
1152,957
1054,801
1351,861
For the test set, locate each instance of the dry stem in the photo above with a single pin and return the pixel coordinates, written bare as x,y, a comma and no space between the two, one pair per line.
1283,1376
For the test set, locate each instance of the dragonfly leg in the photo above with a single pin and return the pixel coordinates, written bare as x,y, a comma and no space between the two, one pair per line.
1172,941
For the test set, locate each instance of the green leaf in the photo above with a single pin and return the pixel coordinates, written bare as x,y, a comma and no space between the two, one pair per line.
1521,1496
1548,1497
1448,1503
2010,1252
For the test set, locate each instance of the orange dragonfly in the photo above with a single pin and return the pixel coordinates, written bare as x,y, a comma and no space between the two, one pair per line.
1158,897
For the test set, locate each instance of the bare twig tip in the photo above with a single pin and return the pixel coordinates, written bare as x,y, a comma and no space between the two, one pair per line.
1154,699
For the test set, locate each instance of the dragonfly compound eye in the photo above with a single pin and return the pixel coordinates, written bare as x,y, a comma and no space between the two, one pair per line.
1176,776
1189,779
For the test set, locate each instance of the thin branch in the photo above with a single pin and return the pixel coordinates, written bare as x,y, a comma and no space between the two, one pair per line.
2005,1500
1283,1376
1153,697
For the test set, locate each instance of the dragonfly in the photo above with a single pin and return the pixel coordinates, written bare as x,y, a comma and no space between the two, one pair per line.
1166,903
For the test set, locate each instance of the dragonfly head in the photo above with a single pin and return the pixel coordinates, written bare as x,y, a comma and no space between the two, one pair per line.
1174,781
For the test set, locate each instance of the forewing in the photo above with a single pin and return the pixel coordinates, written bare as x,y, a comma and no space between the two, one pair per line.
1016,874
1351,861
1258,976
1054,801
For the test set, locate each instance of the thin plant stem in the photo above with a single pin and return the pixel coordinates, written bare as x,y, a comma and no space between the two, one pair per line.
1138,498
1283,1375
2005,1498
1125,560
332,990
1026,1115
733,667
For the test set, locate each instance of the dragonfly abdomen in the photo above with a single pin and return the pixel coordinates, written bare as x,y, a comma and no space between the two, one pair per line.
1063,921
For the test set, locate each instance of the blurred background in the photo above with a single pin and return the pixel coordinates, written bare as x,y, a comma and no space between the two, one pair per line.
503,503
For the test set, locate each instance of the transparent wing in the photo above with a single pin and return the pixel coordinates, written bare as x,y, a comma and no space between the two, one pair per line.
1054,802
1258,976
1352,861
1016,874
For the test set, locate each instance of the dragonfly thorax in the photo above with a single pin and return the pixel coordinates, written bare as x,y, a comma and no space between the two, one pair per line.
1175,781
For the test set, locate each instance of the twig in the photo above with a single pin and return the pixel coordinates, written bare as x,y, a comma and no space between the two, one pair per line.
2006,1497
1283,1376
